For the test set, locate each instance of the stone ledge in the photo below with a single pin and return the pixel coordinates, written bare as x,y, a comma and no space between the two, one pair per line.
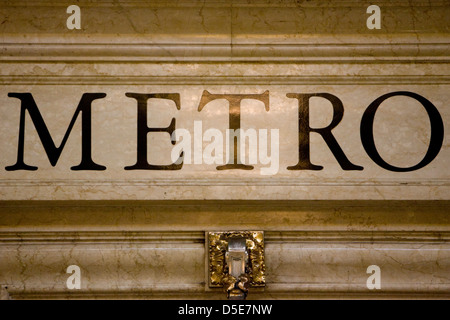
156,250
342,52
195,237
157,270
191,217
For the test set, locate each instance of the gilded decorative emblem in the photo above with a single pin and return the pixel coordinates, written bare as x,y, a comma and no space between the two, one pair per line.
219,270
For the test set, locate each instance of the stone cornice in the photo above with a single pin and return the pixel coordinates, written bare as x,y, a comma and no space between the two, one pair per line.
163,52
222,3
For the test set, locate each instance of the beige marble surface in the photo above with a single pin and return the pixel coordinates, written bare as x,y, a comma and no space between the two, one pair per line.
125,230
401,129
224,47
156,249
159,269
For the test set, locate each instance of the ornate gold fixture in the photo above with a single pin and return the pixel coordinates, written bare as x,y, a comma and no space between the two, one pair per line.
236,261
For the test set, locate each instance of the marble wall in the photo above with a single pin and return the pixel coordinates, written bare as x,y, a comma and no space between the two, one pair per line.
141,233
157,249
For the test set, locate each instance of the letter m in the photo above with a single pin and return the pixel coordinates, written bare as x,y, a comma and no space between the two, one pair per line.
54,152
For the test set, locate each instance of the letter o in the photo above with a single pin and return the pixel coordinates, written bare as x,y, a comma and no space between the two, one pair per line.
436,139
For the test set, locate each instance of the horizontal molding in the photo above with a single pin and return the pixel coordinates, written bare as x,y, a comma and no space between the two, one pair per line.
189,295
93,237
183,291
220,3
357,236
342,289
278,290
39,239
317,52
223,80
135,218
285,237
237,193
157,270
221,189
188,181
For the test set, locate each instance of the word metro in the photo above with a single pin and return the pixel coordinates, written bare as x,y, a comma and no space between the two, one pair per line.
183,151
